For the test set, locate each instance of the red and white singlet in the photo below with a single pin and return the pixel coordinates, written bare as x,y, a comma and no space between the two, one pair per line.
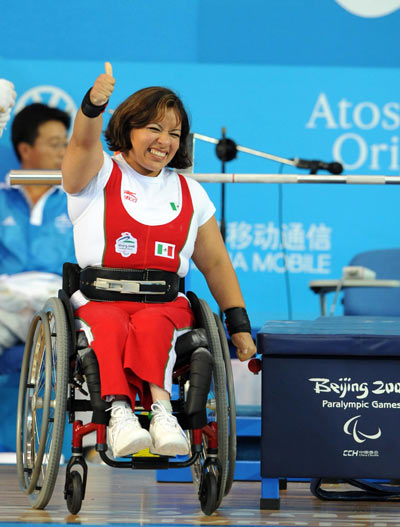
125,219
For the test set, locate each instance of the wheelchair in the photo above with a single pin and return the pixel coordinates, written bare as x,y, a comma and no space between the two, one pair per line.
52,373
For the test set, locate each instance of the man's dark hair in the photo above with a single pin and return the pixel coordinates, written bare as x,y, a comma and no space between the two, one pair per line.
25,126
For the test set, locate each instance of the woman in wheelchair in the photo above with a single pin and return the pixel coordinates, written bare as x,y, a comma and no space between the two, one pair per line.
137,223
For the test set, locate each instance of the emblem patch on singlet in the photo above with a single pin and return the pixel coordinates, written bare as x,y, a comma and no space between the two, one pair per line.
130,196
165,250
126,244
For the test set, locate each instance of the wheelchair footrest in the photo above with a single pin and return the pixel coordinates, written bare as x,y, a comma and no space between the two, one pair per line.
148,462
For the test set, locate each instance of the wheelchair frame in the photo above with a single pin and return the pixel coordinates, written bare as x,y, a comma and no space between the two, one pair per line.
47,393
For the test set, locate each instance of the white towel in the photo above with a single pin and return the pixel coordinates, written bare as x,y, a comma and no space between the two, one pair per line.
21,296
7,100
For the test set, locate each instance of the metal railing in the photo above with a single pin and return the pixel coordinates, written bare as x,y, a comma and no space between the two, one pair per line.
53,177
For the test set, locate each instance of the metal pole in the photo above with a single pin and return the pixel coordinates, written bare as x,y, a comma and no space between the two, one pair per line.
246,150
53,177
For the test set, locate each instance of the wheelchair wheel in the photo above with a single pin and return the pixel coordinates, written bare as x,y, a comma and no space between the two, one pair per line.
209,494
231,405
42,400
74,492
217,411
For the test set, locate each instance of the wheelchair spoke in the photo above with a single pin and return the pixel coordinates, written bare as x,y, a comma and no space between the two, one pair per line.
30,443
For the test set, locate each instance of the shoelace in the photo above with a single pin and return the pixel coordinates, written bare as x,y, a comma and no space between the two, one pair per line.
123,413
159,412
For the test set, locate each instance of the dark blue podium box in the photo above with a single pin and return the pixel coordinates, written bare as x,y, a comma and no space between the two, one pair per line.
330,400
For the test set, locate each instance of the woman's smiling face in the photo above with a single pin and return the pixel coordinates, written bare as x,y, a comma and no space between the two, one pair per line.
155,145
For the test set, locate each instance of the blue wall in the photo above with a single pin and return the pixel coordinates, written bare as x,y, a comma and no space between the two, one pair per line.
280,32
296,79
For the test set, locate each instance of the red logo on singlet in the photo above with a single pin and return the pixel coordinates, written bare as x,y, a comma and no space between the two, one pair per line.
130,196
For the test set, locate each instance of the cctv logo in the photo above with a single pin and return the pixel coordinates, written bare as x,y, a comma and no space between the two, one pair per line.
50,95
351,428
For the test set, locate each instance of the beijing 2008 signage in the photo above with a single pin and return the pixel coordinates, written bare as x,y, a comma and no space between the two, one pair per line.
330,417
357,427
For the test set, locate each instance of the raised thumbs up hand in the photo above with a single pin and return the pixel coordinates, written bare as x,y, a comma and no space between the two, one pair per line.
103,87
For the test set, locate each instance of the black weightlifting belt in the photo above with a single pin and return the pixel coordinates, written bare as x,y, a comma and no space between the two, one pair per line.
132,285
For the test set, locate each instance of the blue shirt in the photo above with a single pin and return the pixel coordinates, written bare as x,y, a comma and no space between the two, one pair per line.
37,239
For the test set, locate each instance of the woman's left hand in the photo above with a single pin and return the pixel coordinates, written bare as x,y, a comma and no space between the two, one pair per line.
245,347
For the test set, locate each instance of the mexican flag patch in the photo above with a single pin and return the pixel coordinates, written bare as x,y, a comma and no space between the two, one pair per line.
165,250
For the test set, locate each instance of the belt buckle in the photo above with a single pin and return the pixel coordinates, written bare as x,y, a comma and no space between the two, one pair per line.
127,286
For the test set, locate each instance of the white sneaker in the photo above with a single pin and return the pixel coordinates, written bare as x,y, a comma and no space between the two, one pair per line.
168,437
124,431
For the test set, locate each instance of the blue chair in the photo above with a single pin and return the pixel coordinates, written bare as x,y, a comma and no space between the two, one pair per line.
375,296
376,301
11,359
10,371
10,367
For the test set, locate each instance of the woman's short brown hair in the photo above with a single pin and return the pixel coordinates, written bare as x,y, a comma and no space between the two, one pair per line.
140,109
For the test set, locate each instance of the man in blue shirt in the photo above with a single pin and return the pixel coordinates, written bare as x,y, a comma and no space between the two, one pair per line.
35,231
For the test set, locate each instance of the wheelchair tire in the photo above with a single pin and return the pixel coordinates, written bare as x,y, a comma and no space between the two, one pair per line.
42,400
209,493
33,394
231,405
217,406
74,492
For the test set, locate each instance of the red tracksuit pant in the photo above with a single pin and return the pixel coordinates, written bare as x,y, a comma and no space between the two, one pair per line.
134,344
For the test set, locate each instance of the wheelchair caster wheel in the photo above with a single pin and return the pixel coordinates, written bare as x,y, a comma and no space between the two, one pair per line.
209,493
74,492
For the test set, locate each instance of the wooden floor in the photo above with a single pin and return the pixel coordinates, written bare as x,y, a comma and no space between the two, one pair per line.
122,496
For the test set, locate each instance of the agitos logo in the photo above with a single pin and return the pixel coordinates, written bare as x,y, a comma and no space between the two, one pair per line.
351,428
370,9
